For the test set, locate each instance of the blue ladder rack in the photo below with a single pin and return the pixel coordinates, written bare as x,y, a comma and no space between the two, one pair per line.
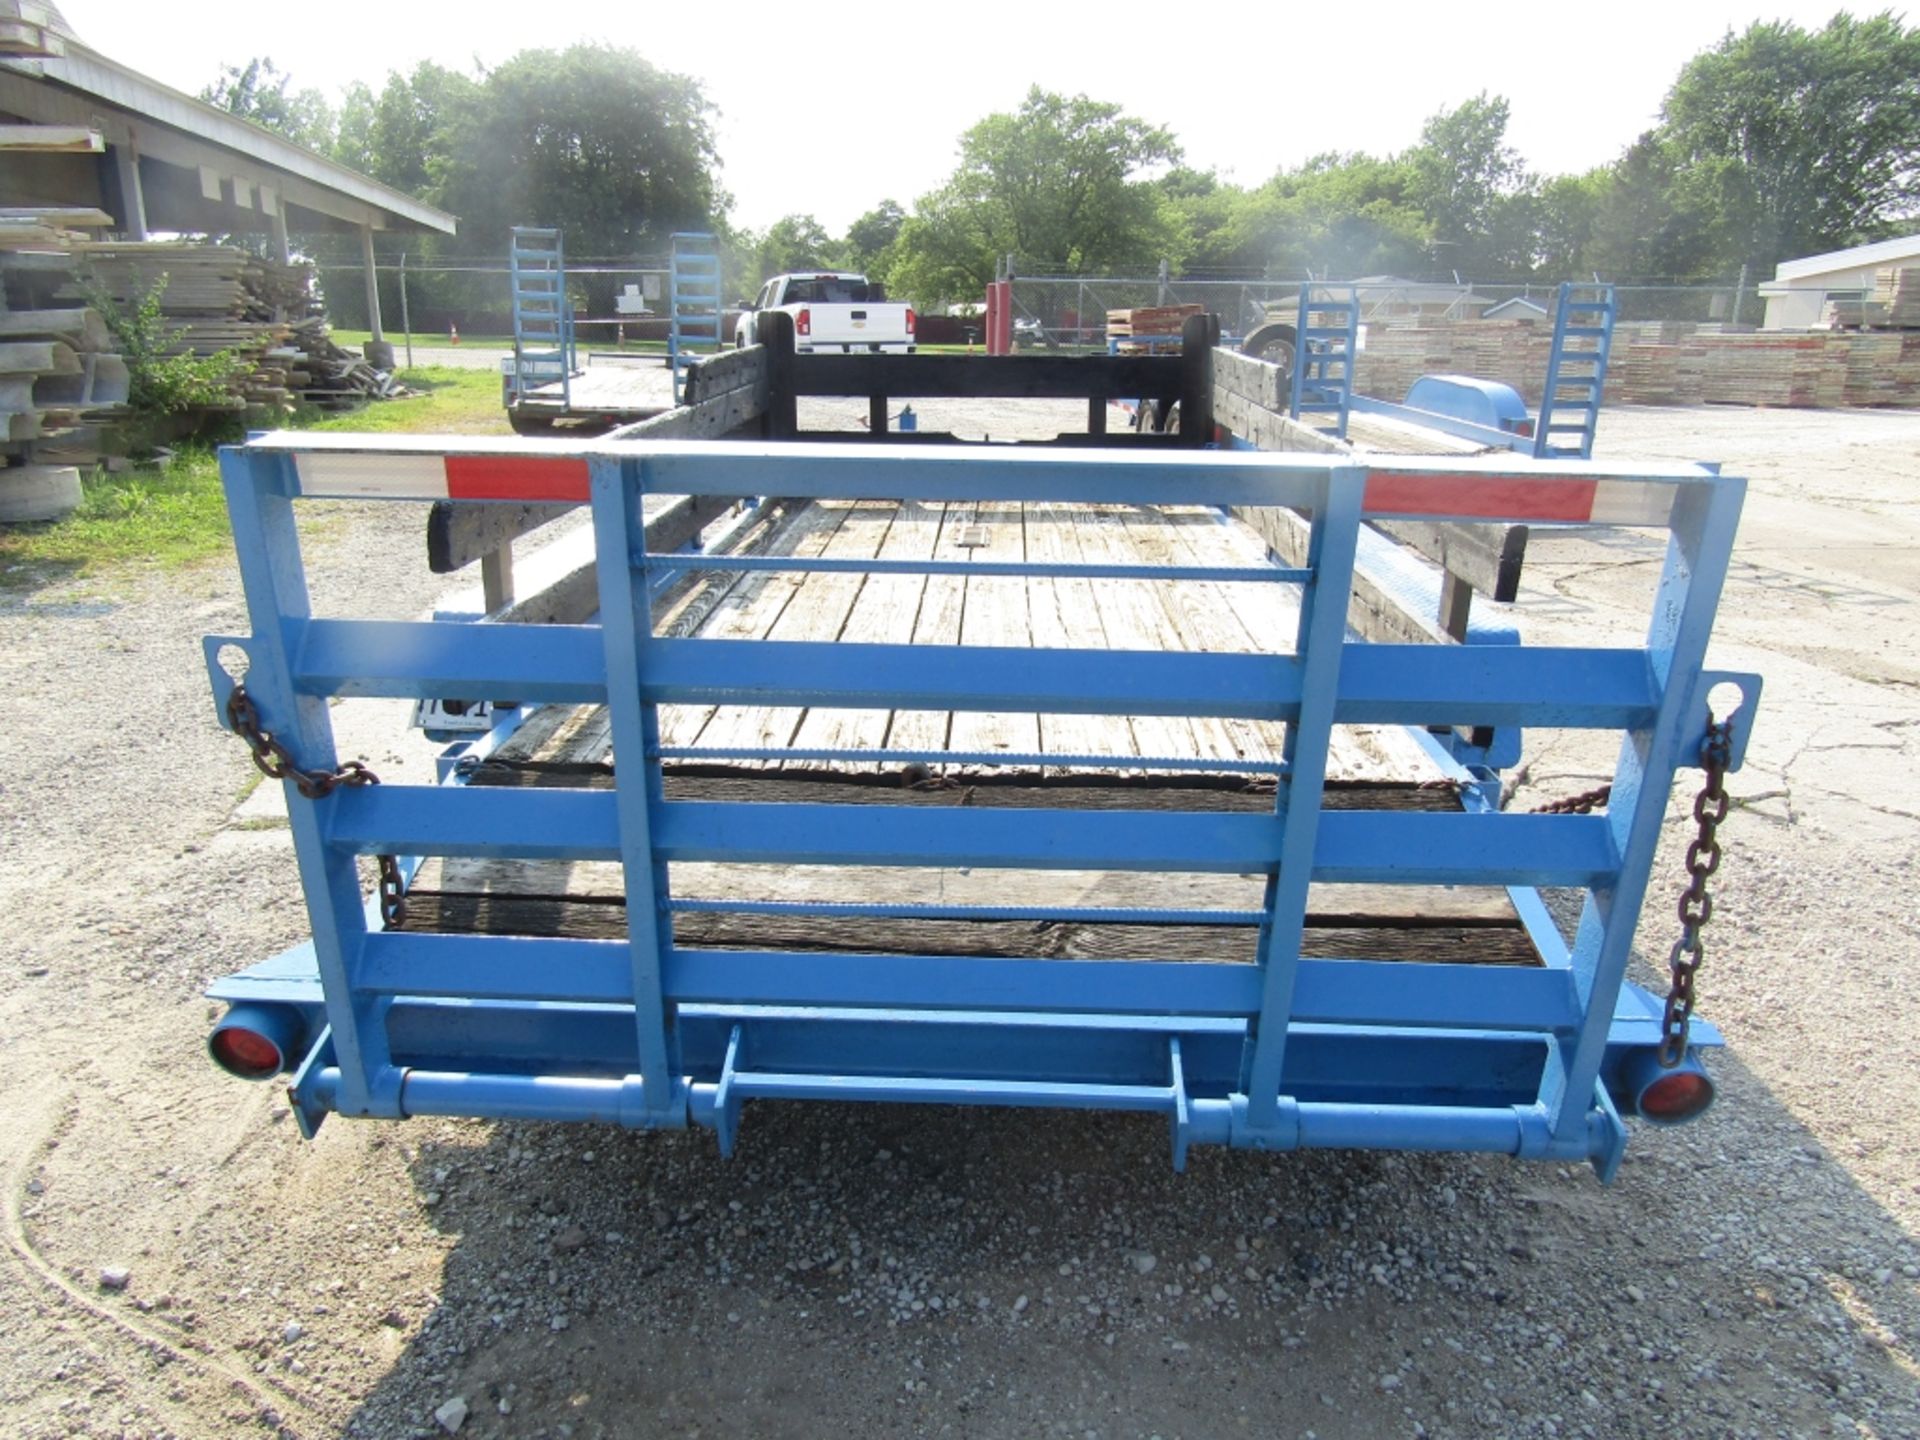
543,348
1576,372
1326,345
694,306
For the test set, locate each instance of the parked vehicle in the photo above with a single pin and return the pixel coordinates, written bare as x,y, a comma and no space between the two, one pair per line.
838,311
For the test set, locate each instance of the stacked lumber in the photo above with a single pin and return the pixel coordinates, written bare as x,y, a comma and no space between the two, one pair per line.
1150,320
37,227
1657,363
219,298
323,374
1853,315
60,378
1898,289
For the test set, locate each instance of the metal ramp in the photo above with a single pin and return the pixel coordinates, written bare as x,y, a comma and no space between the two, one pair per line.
1326,345
1576,372
1278,1053
695,310
543,348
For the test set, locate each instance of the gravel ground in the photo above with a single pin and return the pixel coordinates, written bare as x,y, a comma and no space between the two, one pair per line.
182,1265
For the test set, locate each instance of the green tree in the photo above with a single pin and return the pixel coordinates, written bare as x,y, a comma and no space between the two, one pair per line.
1060,181
795,242
869,242
1341,216
593,139
1472,188
262,92
1804,141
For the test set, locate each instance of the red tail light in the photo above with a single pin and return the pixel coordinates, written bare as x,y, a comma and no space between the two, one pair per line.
803,323
909,320
246,1053
1676,1096
257,1041
1523,427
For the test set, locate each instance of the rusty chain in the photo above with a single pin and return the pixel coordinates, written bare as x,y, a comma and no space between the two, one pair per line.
1696,906
1585,803
276,762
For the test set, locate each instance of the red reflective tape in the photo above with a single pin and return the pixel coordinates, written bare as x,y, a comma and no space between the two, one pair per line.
515,477
1497,498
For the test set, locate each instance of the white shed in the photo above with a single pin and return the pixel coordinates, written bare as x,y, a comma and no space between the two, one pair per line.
1800,289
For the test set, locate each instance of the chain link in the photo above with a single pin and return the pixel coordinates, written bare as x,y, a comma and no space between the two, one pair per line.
276,762
1696,905
1585,803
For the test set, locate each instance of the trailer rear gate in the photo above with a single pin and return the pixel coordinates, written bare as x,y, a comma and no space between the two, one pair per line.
1086,898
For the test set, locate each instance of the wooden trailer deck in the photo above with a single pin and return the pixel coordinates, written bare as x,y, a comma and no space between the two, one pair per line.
1370,768
612,389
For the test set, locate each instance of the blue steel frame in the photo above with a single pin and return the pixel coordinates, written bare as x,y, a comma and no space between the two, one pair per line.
1282,1054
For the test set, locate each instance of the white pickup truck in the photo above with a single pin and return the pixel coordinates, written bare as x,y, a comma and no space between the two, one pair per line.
835,311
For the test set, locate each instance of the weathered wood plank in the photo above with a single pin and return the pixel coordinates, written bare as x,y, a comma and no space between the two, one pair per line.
1266,429
995,613
706,420
1258,382
459,532
1064,614
1133,620
885,612
1324,938
744,369
1486,557
587,769
817,610
1375,613
938,623
749,608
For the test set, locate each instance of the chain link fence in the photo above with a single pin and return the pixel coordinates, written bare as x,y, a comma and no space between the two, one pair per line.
1071,310
610,297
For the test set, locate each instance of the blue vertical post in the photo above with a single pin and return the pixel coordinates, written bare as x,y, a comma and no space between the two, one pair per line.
626,627
1698,554
259,490
1320,643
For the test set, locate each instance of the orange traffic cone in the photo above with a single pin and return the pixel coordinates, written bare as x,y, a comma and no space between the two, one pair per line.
453,333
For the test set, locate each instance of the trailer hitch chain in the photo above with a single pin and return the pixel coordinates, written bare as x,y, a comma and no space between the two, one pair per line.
1696,905
276,762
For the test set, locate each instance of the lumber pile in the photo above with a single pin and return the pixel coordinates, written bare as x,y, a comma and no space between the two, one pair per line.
322,373
60,377
1150,320
1659,363
63,385
1898,289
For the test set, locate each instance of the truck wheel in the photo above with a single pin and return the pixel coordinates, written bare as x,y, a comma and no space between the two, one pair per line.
1272,343
1156,417
530,424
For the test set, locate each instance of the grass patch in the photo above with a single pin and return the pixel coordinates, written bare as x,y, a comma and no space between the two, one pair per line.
166,519
450,402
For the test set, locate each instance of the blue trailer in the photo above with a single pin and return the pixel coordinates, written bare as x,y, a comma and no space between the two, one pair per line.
1236,1024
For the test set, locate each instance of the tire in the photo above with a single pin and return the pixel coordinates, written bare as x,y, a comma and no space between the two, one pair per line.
530,424
1274,343
1156,417
31,493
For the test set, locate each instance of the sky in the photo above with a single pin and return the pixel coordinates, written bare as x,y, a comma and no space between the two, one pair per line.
828,110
